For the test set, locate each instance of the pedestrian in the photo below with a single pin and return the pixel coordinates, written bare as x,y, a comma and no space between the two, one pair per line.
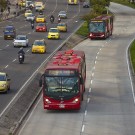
8,9
20,7
14,14
2,11
17,5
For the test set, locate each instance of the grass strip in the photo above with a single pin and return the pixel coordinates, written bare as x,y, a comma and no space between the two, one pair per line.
132,54
83,30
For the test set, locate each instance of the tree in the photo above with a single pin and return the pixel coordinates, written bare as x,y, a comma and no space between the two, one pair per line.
3,4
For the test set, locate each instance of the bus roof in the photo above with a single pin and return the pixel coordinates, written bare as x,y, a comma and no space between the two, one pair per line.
102,17
70,59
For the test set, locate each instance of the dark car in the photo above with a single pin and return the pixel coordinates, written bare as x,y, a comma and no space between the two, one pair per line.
86,5
9,32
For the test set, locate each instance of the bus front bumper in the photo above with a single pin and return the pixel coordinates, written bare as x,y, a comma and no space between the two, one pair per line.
75,106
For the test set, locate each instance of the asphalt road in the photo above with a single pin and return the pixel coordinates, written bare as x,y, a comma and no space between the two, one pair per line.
108,107
19,73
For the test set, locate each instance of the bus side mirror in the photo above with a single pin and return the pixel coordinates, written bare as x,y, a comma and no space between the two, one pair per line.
40,83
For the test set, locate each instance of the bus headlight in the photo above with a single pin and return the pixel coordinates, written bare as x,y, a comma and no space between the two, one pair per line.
47,100
75,100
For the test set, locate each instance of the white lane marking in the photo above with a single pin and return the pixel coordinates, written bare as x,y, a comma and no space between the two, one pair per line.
85,112
94,68
29,33
92,74
83,128
27,51
6,66
55,7
98,53
89,90
129,72
91,81
7,45
96,57
95,61
14,60
88,100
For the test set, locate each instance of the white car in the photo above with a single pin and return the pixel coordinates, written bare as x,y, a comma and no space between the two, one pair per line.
21,41
62,14
30,17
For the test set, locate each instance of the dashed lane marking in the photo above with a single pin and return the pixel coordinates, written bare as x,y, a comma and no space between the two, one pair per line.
91,81
83,128
14,60
89,90
6,66
27,51
88,100
85,112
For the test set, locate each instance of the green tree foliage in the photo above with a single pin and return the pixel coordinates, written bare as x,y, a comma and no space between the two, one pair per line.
3,4
98,7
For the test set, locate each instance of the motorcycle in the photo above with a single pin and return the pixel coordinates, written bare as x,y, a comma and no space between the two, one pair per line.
32,25
21,58
51,20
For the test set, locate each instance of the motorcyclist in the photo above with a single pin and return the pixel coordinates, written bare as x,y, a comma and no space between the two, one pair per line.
40,12
59,19
21,51
32,24
52,18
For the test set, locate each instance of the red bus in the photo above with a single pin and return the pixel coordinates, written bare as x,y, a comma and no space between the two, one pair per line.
63,81
101,27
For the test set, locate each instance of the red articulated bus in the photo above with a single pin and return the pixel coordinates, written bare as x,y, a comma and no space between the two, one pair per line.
63,81
101,27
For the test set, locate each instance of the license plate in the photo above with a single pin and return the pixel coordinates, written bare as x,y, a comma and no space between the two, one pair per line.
61,106
8,36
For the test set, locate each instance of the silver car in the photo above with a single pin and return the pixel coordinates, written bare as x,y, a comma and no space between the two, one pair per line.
21,41
62,14
30,17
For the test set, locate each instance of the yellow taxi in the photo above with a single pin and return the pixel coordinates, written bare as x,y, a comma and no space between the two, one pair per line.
39,6
54,33
62,26
27,12
39,46
4,82
40,19
22,3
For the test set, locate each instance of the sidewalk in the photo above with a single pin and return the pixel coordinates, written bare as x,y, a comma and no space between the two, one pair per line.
6,15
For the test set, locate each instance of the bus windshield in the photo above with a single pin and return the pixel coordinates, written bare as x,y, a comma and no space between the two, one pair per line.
97,27
61,86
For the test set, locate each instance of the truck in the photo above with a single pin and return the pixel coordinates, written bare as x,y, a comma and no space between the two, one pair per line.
101,27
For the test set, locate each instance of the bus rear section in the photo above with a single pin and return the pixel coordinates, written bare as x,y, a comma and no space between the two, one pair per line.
101,27
72,2
62,82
